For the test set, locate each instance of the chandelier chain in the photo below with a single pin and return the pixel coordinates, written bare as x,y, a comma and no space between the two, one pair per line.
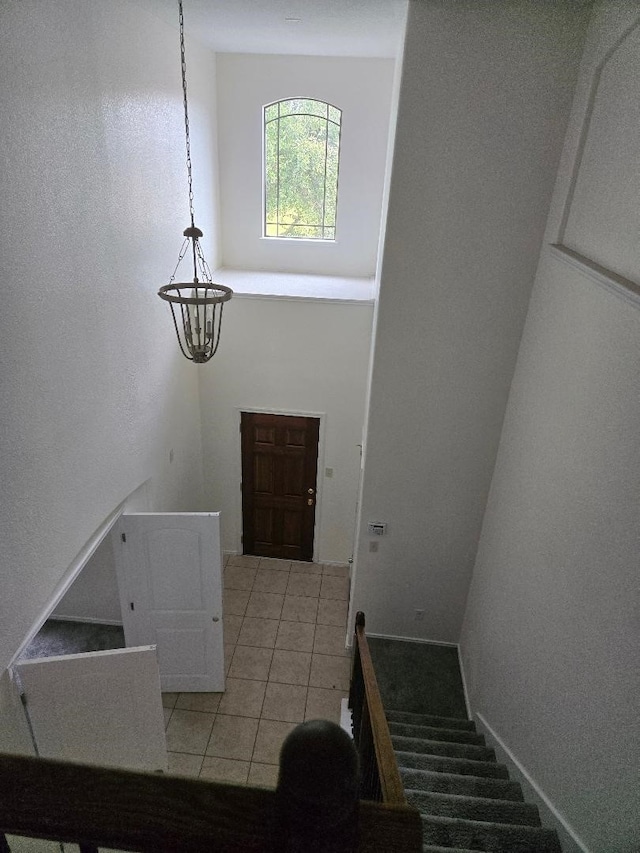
186,112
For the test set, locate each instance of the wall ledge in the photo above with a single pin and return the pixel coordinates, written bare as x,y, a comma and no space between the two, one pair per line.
606,278
257,284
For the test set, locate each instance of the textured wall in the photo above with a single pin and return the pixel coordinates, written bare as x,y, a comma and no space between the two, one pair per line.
550,639
94,393
484,101
362,89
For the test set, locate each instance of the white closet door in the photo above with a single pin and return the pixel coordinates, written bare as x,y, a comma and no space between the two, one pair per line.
98,708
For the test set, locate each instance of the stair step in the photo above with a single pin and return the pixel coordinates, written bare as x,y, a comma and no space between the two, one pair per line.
488,836
430,720
454,783
473,808
429,848
436,747
448,764
436,733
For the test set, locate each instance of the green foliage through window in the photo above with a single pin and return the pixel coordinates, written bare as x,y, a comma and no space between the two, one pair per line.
301,157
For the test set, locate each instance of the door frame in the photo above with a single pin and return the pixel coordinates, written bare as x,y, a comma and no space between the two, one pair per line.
295,413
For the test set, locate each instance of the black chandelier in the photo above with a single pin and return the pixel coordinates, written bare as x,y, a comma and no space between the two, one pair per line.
196,306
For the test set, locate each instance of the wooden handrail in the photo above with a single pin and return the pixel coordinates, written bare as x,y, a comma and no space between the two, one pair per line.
372,721
105,807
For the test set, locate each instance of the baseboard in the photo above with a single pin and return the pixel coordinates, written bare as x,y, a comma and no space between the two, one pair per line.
464,684
87,619
549,814
410,639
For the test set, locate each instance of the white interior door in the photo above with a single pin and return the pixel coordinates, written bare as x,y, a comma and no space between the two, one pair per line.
170,578
99,708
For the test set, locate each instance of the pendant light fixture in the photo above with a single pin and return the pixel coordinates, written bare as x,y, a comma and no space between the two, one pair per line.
196,305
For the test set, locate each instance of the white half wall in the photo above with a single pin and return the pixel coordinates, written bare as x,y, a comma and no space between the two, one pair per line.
551,640
95,394
289,356
362,89
484,100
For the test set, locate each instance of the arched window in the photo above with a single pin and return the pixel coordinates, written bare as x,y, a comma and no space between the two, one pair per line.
301,157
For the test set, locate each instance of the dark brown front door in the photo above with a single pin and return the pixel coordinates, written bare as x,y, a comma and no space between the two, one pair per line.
279,462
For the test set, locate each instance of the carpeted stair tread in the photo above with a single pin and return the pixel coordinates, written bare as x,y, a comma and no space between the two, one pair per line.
449,764
436,733
454,783
429,720
473,808
429,848
437,747
487,836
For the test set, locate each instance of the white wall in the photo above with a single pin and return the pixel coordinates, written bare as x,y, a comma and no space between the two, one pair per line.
550,640
288,355
362,89
94,594
94,391
484,100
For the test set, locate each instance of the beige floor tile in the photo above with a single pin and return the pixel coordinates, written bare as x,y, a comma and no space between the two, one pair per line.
242,698
304,585
271,734
306,568
275,565
231,629
234,602
290,667
244,560
299,608
199,702
295,636
169,700
167,715
330,671
229,649
333,587
265,605
332,612
238,577
330,640
263,775
225,770
233,737
21,844
269,581
188,731
181,764
286,702
250,662
335,571
258,632
323,704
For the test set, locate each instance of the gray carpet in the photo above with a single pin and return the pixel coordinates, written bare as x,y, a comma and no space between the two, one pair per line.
419,677
61,637
465,798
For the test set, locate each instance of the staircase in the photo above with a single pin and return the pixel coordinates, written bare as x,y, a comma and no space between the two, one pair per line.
466,800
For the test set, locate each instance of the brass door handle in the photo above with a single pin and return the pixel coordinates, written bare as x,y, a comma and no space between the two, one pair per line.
310,491
310,502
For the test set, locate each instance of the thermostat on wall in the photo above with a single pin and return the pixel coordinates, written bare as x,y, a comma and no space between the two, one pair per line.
377,528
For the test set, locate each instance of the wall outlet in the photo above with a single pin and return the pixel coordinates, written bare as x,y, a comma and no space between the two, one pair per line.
328,472
419,615
373,546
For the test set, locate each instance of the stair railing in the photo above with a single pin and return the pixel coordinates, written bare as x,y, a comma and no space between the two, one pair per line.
380,777
100,807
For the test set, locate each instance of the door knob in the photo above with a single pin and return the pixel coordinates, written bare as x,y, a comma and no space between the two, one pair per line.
310,502
310,491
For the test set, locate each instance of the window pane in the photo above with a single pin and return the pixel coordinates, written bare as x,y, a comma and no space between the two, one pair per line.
301,157
335,115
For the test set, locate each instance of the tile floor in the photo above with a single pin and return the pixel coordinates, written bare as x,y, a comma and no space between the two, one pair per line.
285,625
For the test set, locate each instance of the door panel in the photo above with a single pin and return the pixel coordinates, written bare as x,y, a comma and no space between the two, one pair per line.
99,708
279,469
170,573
